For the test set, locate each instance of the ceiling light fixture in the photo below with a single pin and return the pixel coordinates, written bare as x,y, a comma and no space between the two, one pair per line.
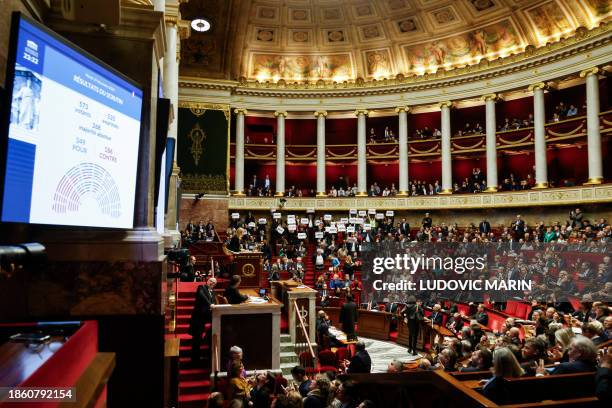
200,24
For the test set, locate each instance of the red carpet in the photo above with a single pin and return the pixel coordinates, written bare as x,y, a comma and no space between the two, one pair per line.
194,382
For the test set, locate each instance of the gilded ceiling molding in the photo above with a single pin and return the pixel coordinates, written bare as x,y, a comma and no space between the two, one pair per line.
402,109
280,113
446,104
492,96
320,113
539,85
239,111
206,106
361,112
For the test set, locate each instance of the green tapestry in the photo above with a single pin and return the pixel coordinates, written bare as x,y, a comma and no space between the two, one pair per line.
202,151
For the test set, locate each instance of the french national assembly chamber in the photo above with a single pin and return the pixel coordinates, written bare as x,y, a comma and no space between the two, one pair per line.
305,203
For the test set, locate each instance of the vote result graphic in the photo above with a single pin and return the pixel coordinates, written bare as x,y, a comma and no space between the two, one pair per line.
75,161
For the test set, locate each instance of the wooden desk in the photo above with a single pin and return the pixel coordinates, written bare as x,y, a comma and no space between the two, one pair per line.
249,266
289,291
255,327
374,325
370,323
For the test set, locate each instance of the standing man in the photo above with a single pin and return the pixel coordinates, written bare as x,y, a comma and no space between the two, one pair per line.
413,316
348,317
484,227
201,314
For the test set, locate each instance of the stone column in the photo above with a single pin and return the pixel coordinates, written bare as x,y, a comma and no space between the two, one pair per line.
593,134
321,190
280,153
239,176
539,120
175,30
362,173
447,167
491,128
403,150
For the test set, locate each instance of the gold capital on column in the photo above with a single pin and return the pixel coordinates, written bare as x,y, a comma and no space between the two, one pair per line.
184,29
491,96
320,113
539,85
448,104
238,111
361,112
590,71
402,109
280,113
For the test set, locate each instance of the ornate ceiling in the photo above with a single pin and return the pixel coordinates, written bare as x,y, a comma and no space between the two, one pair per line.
340,40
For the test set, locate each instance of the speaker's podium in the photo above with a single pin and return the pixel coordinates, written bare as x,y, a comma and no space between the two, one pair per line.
249,266
254,326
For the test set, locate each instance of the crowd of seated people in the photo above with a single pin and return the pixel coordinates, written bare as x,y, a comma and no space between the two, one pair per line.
198,232
564,111
265,389
469,130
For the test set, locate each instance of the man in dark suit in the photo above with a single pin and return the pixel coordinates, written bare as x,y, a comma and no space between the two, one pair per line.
201,314
404,228
348,317
582,358
232,294
427,221
361,361
413,316
481,315
455,323
484,227
518,226
436,315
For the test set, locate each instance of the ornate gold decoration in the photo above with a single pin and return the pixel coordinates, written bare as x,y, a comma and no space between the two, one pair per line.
446,191
540,186
590,71
238,111
257,155
248,270
578,129
309,154
513,142
341,155
448,104
238,194
280,113
361,112
205,106
474,146
321,194
490,96
197,136
539,85
192,183
594,181
402,109
390,152
320,113
361,194
437,146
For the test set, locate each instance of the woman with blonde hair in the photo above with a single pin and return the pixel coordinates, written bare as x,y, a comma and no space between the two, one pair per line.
563,339
505,365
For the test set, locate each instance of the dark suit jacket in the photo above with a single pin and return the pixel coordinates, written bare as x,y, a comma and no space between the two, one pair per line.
482,318
485,227
411,312
496,390
437,318
360,363
572,367
201,313
348,317
233,295
602,385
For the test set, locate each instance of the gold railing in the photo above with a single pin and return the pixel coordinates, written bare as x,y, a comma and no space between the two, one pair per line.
299,347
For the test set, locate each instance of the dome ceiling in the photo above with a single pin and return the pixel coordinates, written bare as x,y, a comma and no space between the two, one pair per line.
339,40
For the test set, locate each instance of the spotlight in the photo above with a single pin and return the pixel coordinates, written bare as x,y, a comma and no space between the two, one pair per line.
200,24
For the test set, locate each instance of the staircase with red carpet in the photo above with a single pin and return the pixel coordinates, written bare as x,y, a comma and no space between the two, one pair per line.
194,382
309,266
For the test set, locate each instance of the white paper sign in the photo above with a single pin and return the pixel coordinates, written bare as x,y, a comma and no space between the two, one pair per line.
251,225
352,220
310,211
344,220
372,211
327,217
317,222
350,229
235,216
291,216
263,221
341,227
380,216
291,227
319,234
304,221
389,213
353,211
358,220
367,227
280,229
302,235
333,230
362,213
276,216
291,221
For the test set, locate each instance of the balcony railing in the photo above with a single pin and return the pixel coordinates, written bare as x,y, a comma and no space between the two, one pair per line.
566,131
